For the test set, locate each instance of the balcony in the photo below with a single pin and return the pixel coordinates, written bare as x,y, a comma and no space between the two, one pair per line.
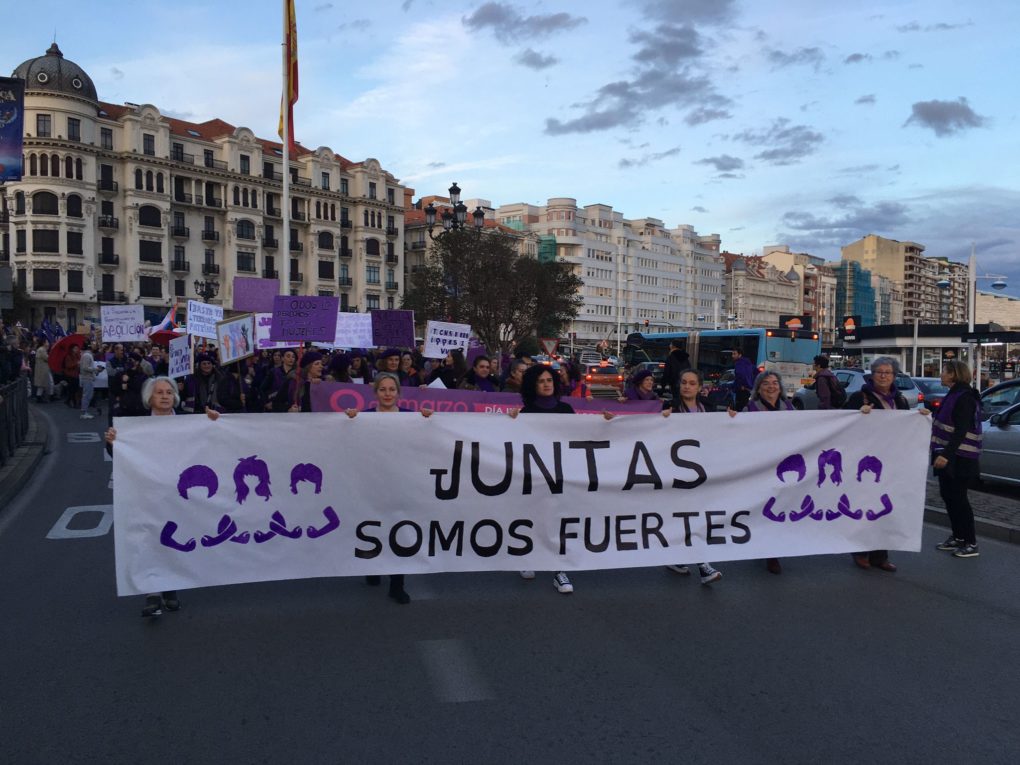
182,198
246,236
300,180
215,164
180,156
272,175
274,212
297,247
346,281
392,231
270,244
210,269
268,273
109,259
5,256
418,245
107,186
392,259
297,277
108,221
392,286
346,253
110,296
4,218
346,223
180,232
298,217
213,202
180,266
210,236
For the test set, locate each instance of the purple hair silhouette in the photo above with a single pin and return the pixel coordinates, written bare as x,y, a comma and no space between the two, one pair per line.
197,475
870,464
305,471
794,463
834,458
255,467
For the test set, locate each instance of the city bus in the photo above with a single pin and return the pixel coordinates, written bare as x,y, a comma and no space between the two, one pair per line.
790,352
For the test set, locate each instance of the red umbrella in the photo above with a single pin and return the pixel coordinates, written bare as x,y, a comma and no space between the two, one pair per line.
60,349
164,336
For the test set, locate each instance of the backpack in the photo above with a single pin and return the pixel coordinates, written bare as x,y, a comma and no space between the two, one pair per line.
837,393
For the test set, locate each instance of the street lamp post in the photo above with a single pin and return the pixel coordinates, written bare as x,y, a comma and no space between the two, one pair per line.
207,289
456,219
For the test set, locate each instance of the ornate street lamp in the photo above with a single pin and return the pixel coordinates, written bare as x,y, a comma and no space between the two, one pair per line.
206,289
456,219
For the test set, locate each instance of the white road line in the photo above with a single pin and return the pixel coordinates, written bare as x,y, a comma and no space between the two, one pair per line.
453,671
83,437
60,529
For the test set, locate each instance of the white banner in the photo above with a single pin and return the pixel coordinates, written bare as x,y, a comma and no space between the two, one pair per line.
260,497
123,323
353,330
441,337
263,323
180,357
203,318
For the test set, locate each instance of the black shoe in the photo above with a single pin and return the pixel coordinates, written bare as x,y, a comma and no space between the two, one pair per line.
952,544
373,581
153,606
170,601
400,596
967,551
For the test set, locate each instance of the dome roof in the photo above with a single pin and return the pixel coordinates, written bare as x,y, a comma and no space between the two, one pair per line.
55,73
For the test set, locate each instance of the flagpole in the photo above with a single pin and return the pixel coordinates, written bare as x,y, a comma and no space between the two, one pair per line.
284,270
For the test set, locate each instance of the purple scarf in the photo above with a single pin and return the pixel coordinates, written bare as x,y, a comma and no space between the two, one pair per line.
889,398
546,402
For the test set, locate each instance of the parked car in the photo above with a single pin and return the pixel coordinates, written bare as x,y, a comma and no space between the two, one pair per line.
721,393
852,381
934,391
999,397
603,376
1000,451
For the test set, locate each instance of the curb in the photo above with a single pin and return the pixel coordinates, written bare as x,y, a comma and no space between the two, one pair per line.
985,526
34,450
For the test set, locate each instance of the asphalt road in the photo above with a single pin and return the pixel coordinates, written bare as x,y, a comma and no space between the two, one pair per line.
823,664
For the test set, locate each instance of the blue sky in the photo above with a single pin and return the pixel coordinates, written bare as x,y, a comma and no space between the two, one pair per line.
806,123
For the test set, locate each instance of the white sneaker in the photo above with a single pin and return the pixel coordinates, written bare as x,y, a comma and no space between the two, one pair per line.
709,574
527,575
562,583
678,569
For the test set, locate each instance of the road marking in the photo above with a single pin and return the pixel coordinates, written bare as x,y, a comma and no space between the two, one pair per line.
453,671
60,529
85,437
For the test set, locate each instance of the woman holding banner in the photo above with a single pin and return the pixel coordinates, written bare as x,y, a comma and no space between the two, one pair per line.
281,383
387,392
359,370
311,371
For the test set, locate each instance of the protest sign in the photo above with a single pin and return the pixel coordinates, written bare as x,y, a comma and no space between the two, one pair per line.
180,361
353,330
263,323
236,338
251,294
303,318
441,337
258,498
123,323
393,328
203,318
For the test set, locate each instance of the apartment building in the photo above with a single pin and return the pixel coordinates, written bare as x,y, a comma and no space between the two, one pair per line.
818,288
758,293
120,203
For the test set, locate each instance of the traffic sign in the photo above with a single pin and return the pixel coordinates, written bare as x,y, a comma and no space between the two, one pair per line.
549,344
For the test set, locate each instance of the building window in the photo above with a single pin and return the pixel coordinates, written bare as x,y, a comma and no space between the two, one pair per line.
160,189
389,303
44,240
19,203
46,279
344,186
106,138
246,262
179,253
371,302
43,126
372,274
237,196
390,252
325,293
44,203
75,283
68,167
390,196
245,164
245,229
326,269
149,215
325,240
73,129
138,179
325,181
371,189
150,252
179,289
150,287
149,144
74,243
372,247
44,164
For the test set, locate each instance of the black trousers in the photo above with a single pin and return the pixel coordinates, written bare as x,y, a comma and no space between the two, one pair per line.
953,489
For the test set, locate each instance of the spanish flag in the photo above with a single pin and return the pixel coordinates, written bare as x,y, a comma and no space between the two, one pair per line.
290,77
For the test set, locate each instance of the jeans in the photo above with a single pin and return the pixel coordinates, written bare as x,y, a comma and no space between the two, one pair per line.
87,388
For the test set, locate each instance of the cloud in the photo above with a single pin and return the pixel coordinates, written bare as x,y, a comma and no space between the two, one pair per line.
509,26
858,169
916,66
729,175
789,143
940,26
857,58
699,209
668,44
890,55
691,11
811,56
868,99
702,115
406,5
356,24
853,219
435,165
323,7
845,200
945,117
644,160
116,73
535,60
723,163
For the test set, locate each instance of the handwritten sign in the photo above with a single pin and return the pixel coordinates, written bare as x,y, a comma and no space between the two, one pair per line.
391,327
203,318
180,357
304,317
441,337
263,323
252,294
353,330
123,323
235,338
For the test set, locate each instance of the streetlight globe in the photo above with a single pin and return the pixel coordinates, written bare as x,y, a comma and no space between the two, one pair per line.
942,284
479,217
455,194
999,284
430,215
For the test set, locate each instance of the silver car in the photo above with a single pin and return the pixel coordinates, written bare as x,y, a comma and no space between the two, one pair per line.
1000,451
852,381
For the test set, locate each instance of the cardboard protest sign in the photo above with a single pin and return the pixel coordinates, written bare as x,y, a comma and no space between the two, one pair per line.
393,328
353,330
251,294
302,318
441,337
203,318
236,338
263,323
180,360
123,323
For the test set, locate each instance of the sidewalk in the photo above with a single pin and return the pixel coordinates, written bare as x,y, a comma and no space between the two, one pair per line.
19,469
995,517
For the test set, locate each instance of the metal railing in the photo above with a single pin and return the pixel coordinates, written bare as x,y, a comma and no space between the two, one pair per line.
13,417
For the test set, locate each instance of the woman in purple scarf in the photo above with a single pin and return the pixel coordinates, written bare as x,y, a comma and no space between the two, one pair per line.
641,388
479,376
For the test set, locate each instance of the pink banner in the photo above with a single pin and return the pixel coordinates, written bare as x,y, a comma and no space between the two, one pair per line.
337,397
